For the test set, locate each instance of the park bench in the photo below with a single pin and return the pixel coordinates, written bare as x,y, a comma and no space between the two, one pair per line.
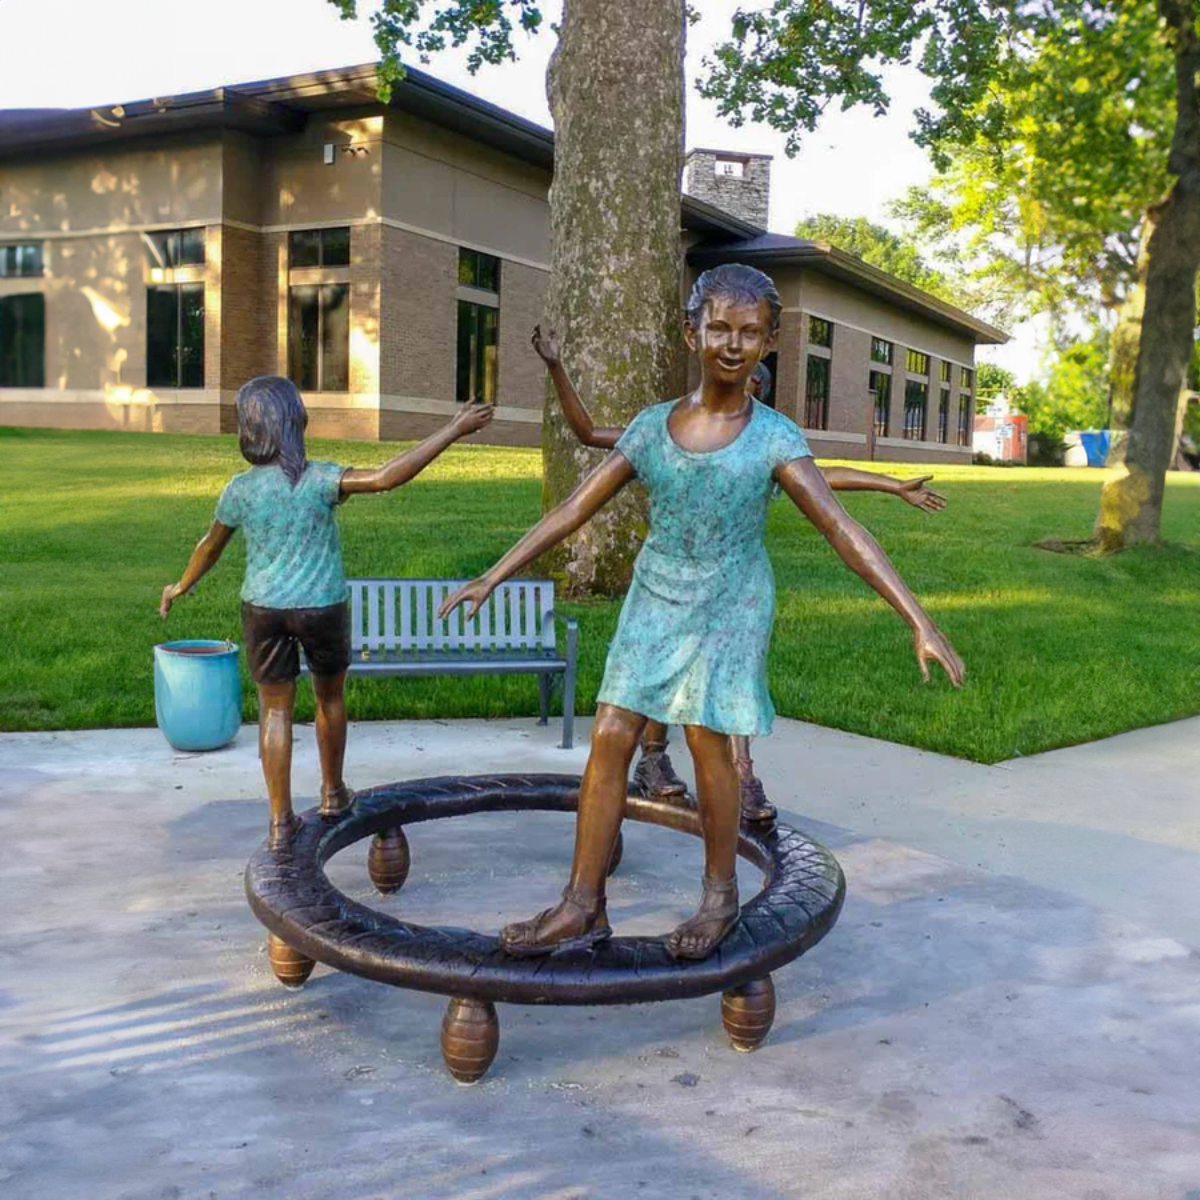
395,630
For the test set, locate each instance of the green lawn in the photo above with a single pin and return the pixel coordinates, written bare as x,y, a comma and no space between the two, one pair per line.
1058,649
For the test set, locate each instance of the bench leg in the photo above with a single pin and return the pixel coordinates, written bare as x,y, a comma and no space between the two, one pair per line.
569,690
543,699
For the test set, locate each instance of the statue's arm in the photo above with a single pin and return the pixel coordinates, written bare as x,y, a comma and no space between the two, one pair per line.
802,480
469,419
576,510
204,557
578,417
912,491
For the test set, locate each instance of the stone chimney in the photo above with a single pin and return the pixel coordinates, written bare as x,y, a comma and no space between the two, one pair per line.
738,183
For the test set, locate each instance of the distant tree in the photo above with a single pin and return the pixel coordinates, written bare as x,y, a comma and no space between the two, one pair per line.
879,246
992,381
1075,393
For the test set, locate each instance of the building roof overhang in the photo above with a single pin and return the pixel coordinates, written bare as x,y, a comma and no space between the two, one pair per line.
772,250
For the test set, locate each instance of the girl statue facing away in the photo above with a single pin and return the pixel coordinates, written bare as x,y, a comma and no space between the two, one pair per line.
294,593
691,644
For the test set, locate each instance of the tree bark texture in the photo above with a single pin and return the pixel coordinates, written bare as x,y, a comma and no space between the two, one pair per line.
1131,504
616,91
1123,355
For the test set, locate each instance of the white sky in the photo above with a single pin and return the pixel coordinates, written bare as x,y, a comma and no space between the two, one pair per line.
72,53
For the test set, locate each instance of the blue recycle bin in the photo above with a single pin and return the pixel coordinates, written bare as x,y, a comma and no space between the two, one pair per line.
1095,446
197,693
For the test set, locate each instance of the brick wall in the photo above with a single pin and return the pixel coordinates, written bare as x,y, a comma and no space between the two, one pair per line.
418,315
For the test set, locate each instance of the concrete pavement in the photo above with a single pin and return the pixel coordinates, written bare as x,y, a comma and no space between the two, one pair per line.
1008,1007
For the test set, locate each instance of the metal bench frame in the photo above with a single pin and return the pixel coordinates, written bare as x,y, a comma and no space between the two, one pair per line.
395,630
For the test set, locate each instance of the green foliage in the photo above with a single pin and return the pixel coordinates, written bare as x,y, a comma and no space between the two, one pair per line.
1058,649
430,27
1075,394
874,244
991,381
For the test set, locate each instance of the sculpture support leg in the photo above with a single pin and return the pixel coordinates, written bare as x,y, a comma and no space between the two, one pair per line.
388,860
747,1012
291,968
470,1038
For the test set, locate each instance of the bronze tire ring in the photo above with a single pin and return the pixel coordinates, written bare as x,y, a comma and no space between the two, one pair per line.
291,895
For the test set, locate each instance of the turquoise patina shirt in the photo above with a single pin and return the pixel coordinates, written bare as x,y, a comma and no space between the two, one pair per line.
691,643
293,555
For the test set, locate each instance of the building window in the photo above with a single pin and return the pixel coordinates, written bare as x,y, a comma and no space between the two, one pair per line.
964,419
946,372
967,379
816,393
916,399
177,247
319,248
21,261
820,332
478,270
943,432
175,336
916,363
881,351
319,337
478,336
23,340
881,387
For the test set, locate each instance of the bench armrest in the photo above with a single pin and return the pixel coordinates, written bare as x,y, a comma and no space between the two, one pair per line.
571,624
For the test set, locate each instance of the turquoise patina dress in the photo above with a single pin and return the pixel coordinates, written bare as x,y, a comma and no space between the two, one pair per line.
691,643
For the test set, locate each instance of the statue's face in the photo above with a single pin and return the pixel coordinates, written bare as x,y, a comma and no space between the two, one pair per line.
731,338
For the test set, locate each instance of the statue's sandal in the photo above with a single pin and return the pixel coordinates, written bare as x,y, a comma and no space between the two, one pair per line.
525,943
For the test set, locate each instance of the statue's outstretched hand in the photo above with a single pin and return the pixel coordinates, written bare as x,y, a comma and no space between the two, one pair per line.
546,344
914,492
472,594
169,594
471,418
930,643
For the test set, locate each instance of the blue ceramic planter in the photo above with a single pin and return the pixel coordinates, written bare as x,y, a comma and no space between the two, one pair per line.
197,693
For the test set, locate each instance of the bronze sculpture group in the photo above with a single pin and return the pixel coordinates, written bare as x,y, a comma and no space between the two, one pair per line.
692,639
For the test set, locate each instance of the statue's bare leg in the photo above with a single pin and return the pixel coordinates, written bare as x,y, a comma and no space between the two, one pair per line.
275,704
654,775
717,793
756,808
581,918
330,691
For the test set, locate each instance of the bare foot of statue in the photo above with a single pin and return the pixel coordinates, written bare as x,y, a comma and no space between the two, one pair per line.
655,776
756,808
283,830
577,923
336,800
718,913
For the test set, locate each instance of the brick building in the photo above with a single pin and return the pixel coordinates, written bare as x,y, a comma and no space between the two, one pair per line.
392,260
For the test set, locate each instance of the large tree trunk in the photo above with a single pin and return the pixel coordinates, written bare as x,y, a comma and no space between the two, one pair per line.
1123,355
1131,504
616,92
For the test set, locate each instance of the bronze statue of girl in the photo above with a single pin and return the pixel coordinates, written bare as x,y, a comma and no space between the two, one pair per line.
294,593
691,644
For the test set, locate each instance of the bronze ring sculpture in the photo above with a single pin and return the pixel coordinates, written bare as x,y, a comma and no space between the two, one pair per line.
309,920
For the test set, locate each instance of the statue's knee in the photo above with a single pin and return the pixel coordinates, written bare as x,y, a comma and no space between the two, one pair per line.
614,733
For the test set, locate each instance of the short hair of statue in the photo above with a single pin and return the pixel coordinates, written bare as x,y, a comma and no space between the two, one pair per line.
271,423
737,282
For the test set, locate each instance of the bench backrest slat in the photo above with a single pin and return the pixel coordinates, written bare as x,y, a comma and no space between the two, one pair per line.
401,615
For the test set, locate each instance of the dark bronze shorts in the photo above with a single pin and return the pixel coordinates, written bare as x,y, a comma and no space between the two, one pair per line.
273,638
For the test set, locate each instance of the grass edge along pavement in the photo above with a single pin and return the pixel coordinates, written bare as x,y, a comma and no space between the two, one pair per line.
1059,649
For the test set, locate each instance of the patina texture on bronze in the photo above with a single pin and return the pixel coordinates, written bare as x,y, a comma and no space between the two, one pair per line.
294,594
309,919
733,317
654,772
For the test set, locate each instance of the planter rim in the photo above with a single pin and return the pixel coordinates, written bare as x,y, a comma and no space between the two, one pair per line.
184,644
